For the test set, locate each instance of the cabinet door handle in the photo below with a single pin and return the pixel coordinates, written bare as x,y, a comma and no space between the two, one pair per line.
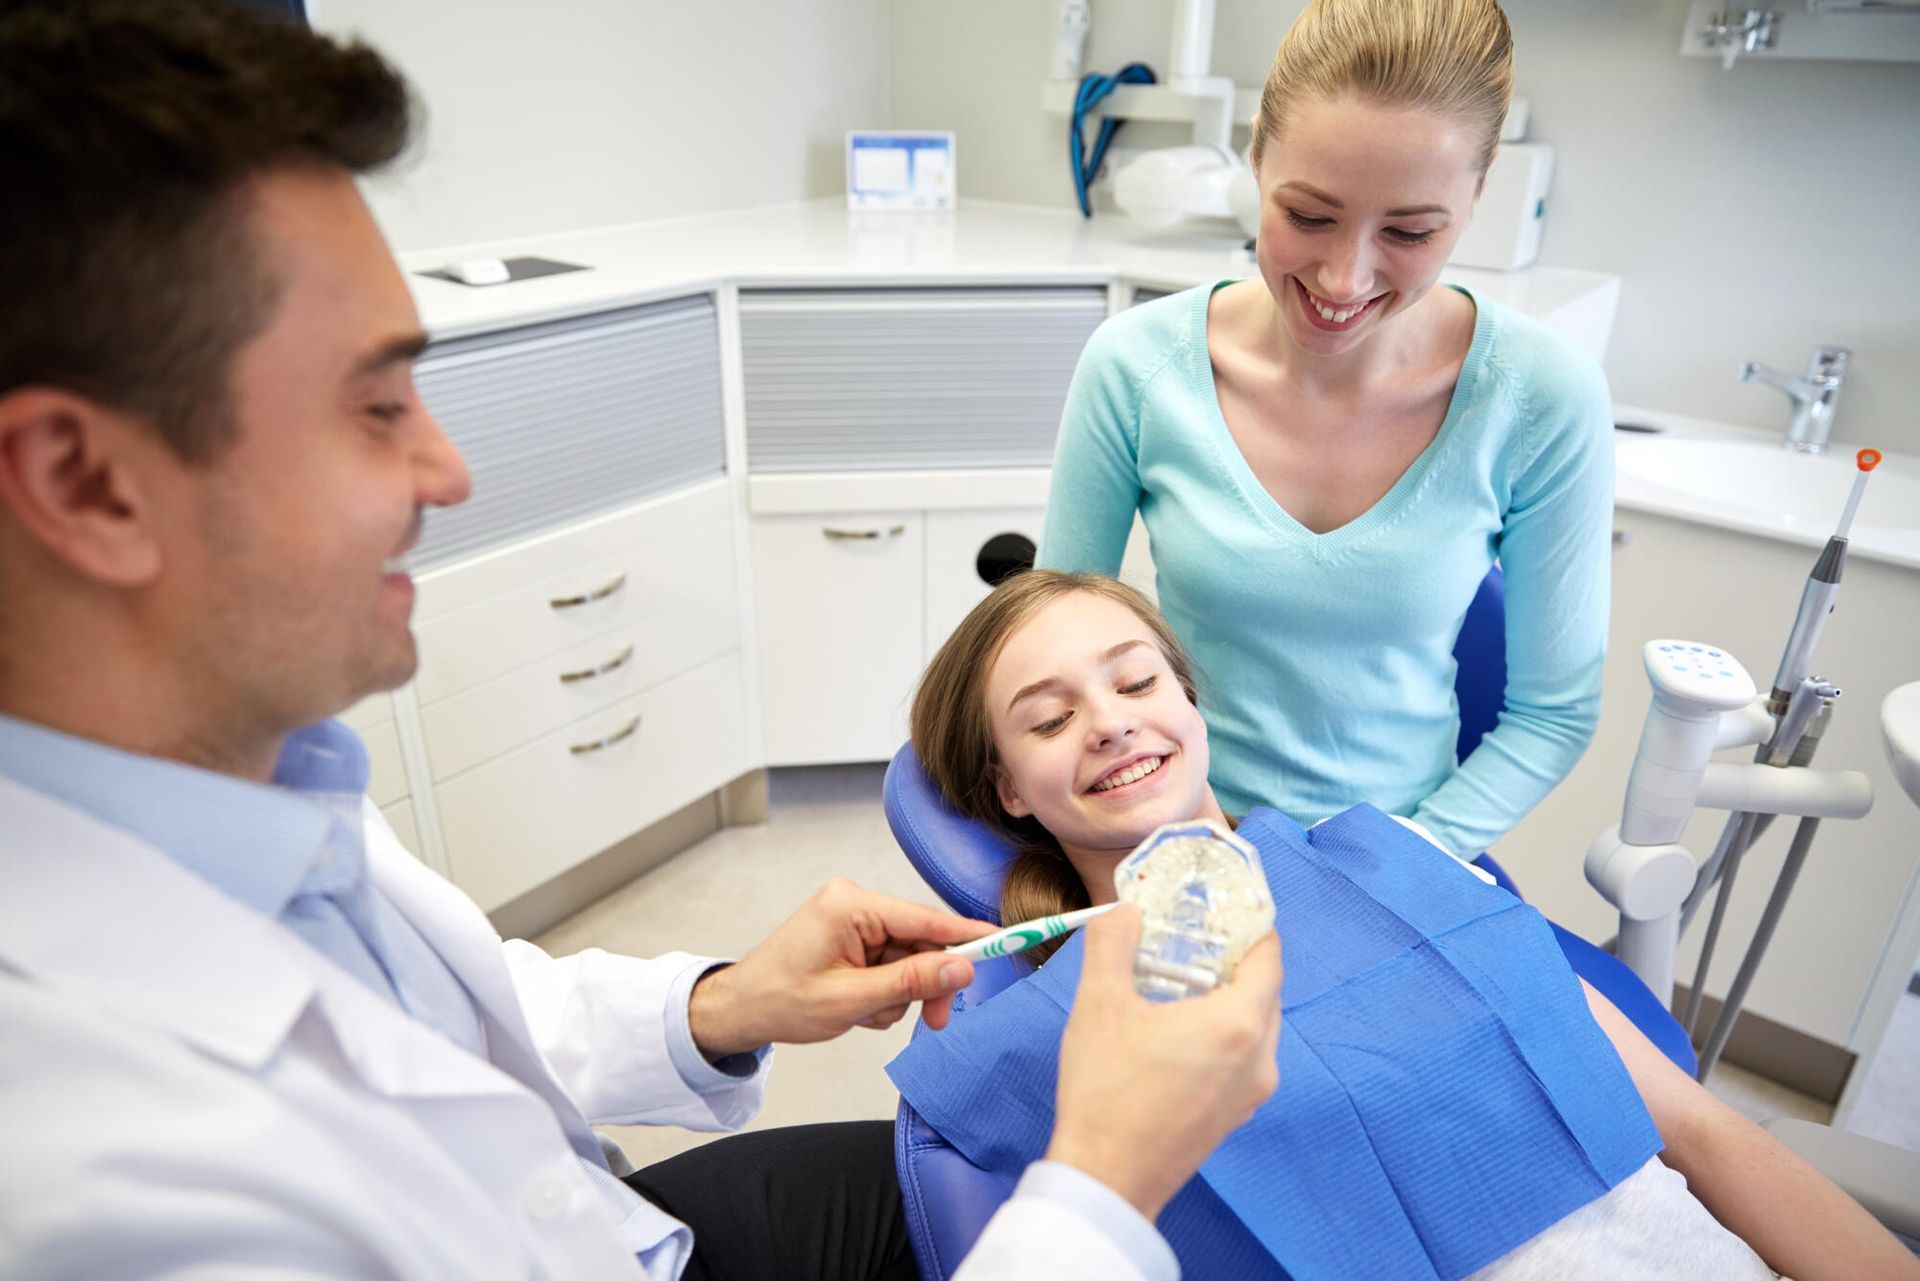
600,745
864,535
587,598
588,673
1621,537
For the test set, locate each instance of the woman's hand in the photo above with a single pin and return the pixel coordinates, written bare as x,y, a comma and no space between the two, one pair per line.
849,957
1148,1090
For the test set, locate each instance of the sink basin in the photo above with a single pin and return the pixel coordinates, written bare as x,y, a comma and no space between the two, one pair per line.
1766,482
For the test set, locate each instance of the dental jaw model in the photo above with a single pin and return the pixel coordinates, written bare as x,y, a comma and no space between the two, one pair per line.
1203,902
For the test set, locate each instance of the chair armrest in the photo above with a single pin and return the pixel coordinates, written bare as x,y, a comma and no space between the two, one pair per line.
1883,1178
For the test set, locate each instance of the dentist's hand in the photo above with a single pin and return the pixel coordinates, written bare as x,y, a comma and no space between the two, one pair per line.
849,957
1148,1090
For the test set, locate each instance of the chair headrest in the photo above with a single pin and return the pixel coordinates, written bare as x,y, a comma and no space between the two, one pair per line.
964,861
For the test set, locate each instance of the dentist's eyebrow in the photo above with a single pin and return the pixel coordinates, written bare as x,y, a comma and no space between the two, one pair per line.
1027,691
394,351
1408,211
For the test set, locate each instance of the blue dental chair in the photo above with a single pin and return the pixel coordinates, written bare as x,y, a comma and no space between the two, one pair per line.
948,1198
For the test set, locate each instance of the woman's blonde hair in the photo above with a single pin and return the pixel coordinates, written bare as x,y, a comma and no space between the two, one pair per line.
1454,57
953,735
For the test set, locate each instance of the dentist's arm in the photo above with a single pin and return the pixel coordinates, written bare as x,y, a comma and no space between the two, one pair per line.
1146,1092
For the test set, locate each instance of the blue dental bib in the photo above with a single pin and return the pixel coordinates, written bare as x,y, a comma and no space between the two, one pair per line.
1445,1094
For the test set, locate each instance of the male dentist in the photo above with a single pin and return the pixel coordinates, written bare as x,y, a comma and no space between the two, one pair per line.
242,1032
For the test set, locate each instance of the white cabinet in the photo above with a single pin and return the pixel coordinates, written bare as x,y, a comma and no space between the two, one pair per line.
849,606
565,708
579,620
534,812
840,630
967,553
939,408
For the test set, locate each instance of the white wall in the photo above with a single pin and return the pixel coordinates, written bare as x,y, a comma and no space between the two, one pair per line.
1751,214
559,114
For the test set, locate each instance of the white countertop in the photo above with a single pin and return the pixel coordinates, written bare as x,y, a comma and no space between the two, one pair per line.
819,243
1650,477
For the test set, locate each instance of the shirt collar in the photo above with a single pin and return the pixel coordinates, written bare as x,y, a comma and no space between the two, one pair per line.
254,842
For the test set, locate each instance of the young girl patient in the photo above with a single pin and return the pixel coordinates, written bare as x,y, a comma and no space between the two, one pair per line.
1063,713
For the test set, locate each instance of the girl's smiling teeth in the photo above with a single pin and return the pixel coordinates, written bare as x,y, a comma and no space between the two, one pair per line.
1130,774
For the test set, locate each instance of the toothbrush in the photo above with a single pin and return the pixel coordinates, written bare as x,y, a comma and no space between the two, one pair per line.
1018,938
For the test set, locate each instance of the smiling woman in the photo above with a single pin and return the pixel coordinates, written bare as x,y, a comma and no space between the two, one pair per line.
1329,456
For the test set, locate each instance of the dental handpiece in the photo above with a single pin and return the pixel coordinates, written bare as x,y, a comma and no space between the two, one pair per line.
1817,598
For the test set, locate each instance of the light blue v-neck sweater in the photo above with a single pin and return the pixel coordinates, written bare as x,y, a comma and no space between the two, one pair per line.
1326,659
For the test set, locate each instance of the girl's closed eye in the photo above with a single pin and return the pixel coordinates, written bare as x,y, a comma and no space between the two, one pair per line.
1141,686
387,411
1307,222
1053,724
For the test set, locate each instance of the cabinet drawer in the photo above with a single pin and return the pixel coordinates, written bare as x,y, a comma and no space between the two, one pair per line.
903,379
837,605
472,581
963,548
481,722
690,569
523,818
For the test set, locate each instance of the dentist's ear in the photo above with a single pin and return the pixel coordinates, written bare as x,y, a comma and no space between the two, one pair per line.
1009,798
68,481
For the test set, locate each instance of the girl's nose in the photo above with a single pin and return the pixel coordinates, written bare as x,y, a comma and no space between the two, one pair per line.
1111,721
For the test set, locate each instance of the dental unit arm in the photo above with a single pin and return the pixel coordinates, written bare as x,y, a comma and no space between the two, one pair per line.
1704,701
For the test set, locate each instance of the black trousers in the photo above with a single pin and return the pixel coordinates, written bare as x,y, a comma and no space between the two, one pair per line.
799,1203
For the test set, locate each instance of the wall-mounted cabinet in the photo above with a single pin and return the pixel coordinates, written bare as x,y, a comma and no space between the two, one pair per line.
942,388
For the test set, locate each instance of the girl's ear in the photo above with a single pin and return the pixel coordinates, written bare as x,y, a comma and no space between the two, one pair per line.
1009,798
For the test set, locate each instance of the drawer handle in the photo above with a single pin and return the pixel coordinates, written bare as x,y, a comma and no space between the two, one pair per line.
587,598
588,673
864,535
600,745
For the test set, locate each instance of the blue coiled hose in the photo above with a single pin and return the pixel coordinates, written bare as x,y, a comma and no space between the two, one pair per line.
1093,88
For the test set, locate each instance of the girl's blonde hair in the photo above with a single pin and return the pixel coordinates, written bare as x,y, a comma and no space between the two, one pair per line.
953,735
1454,57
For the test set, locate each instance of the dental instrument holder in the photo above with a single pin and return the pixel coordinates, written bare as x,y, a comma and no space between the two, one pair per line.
1184,950
1639,867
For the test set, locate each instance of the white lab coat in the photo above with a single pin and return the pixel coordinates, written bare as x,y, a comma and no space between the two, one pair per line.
189,1089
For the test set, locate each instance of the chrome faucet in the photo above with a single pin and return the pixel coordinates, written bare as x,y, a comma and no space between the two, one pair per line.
1813,396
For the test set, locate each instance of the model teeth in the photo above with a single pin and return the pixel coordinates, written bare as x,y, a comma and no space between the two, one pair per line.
1131,774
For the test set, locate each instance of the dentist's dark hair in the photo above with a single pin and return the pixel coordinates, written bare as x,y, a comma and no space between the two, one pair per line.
952,733
129,133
